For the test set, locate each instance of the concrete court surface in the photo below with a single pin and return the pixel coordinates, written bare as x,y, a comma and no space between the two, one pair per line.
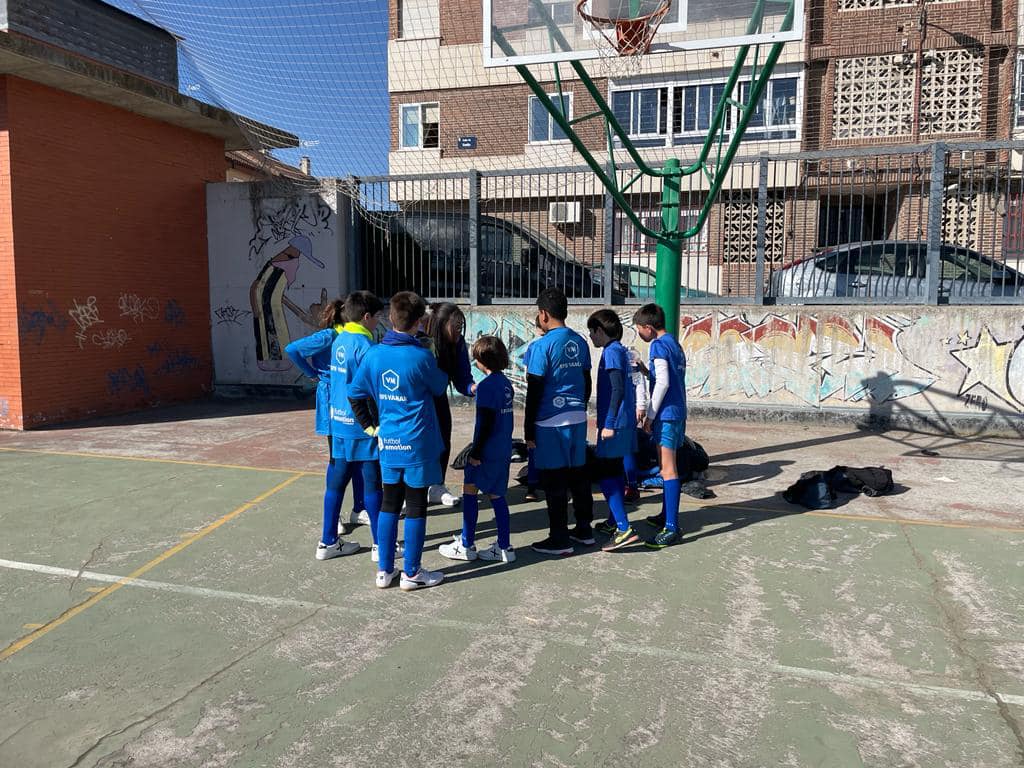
160,606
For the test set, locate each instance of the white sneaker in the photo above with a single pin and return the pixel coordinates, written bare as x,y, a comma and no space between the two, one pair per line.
456,550
439,494
496,554
422,579
337,549
362,517
385,579
375,552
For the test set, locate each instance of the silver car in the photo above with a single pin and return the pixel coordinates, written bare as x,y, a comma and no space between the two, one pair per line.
894,269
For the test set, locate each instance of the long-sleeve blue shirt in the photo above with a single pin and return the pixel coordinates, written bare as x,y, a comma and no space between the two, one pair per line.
312,356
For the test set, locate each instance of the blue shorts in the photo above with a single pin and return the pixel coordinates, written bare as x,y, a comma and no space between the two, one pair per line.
559,447
416,476
621,445
669,433
490,477
354,449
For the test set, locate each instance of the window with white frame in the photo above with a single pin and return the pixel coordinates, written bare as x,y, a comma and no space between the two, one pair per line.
775,116
418,19
631,242
420,126
693,107
1018,97
642,111
562,12
543,128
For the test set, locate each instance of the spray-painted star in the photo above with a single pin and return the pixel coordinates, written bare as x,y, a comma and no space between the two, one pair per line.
986,365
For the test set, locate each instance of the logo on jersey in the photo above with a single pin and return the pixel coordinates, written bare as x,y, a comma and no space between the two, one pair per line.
508,395
339,354
572,350
390,380
558,401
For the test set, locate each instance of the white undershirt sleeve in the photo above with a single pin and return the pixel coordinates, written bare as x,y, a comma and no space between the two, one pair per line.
660,387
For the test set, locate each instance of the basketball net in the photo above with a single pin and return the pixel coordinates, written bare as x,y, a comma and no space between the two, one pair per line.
622,42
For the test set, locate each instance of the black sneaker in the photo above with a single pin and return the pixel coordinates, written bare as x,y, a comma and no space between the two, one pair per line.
551,546
532,493
607,527
582,535
658,520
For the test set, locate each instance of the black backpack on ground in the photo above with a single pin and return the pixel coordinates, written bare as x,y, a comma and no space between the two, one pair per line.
819,490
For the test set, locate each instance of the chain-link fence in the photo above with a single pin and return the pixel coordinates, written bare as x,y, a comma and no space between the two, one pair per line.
938,223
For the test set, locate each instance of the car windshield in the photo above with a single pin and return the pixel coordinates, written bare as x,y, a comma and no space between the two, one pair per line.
968,266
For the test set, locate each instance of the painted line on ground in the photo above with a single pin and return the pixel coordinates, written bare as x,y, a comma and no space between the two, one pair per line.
578,641
119,582
154,460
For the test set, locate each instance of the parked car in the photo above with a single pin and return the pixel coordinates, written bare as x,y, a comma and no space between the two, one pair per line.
428,251
894,269
641,283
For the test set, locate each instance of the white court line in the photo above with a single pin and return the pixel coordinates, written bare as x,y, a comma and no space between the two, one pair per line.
817,675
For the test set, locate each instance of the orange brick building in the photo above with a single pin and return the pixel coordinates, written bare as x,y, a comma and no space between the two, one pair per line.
104,299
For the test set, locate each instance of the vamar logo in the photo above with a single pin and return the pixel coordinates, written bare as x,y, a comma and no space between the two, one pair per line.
390,380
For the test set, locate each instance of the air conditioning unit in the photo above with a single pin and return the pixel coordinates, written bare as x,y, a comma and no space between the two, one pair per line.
564,213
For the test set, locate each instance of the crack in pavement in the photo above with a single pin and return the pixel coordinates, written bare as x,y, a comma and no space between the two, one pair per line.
86,564
209,678
957,629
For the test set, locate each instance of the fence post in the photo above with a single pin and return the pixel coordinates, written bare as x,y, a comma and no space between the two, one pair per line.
609,246
474,237
936,192
762,226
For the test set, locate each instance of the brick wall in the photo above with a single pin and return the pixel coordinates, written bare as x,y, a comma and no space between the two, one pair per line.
110,248
10,365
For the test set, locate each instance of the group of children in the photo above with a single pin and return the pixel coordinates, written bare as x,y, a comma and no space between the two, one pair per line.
380,406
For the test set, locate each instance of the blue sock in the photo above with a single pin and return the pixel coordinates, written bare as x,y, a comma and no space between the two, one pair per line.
629,462
671,502
358,489
372,495
470,512
502,522
532,473
612,488
387,535
334,492
372,500
415,535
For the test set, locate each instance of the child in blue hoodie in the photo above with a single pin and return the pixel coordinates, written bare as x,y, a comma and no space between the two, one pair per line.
489,458
312,356
392,399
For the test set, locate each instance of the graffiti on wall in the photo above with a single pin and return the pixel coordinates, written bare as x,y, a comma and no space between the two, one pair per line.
284,242
990,366
136,308
831,359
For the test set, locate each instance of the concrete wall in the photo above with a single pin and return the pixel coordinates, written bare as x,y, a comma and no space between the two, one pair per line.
912,364
102,258
275,258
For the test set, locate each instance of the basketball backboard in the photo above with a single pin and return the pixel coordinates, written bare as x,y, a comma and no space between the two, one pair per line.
546,31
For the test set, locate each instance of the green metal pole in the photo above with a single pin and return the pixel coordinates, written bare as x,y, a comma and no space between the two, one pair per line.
670,250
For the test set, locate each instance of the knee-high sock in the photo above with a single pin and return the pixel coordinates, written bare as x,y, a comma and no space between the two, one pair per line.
387,535
556,498
629,461
415,535
613,490
532,473
334,492
502,522
470,512
370,476
359,488
671,503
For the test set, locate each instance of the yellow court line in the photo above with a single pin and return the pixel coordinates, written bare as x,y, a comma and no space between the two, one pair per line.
69,614
864,518
83,455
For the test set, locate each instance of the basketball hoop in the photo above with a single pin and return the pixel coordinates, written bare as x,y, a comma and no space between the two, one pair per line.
633,32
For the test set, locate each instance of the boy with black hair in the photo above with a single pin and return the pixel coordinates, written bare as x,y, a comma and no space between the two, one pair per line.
489,458
557,390
616,423
401,379
666,415
351,446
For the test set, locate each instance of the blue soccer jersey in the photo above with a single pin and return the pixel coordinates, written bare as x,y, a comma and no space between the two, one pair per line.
495,393
614,357
561,357
673,407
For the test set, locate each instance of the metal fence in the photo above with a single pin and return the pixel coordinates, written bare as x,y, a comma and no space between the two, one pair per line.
938,223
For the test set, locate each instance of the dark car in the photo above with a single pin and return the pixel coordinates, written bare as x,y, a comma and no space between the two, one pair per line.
429,252
894,269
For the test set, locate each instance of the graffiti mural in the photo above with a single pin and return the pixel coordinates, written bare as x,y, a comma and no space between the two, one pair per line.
990,365
515,331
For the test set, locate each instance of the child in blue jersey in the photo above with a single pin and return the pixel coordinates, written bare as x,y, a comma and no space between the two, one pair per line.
616,423
489,458
666,415
312,356
392,398
532,473
639,382
351,447
557,390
